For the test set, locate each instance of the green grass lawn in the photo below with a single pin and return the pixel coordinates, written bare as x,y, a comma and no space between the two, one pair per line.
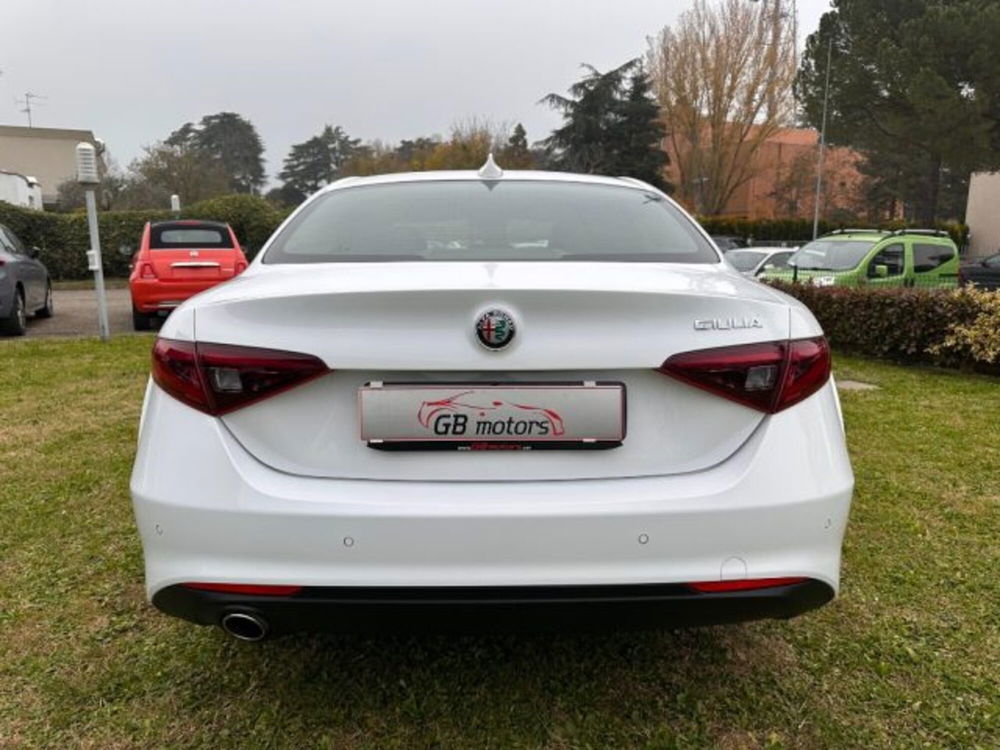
908,656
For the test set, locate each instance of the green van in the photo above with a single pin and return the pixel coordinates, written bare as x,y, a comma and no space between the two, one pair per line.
857,257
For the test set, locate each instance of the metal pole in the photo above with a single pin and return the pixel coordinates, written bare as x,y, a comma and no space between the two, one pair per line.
95,245
822,140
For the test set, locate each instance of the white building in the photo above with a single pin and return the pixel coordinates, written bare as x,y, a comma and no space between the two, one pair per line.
20,190
982,214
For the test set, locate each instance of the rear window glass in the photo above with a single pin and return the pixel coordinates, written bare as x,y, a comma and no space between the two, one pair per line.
516,220
174,236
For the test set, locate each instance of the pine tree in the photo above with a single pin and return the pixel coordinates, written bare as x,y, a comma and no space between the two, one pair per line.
231,140
611,126
318,161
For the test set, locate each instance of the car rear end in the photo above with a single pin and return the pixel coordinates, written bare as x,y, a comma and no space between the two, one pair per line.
178,259
344,445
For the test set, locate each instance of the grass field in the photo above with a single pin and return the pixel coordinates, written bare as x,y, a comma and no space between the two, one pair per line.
908,656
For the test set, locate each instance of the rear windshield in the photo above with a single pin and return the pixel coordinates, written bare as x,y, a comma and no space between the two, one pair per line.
831,255
169,237
516,220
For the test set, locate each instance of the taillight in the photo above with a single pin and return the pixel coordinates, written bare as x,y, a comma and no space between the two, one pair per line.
769,376
253,589
240,267
218,378
743,584
146,271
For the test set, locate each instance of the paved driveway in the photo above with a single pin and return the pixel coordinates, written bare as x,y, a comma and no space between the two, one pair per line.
76,314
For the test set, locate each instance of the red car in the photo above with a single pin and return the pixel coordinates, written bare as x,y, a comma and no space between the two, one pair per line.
176,260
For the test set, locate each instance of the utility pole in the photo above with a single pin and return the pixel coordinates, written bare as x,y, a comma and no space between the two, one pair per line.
822,140
26,101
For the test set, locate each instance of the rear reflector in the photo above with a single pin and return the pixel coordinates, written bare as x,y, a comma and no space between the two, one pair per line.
745,584
219,378
245,588
769,376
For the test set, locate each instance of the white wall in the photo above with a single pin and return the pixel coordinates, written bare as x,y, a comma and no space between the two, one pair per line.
982,214
19,190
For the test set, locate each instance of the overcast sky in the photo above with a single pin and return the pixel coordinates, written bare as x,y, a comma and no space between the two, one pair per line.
134,70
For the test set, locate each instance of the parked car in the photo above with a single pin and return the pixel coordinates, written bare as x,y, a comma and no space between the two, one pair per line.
727,242
176,260
489,399
754,260
25,285
855,257
985,273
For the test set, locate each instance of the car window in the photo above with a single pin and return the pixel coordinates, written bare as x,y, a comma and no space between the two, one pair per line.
522,220
6,243
927,257
993,261
745,260
890,256
832,255
173,236
779,260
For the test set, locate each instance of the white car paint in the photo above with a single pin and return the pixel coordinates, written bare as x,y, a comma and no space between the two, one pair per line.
284,492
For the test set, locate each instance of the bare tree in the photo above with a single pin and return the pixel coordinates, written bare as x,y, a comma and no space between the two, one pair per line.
723,76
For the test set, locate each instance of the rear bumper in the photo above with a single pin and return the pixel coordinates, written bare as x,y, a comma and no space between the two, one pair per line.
505,609
208,511
156,295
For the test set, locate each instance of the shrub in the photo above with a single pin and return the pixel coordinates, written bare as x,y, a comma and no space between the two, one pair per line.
64,238
797,230
978,340
950,328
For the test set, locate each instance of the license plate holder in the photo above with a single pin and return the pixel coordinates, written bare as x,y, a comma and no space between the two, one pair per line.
578,415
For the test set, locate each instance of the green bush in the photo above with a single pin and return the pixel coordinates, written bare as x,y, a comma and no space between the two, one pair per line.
795,230
950,328
64,238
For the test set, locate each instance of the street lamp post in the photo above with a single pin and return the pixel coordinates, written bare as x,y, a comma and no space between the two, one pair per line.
822,140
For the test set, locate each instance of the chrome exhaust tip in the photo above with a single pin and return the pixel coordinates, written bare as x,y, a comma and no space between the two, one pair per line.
244,626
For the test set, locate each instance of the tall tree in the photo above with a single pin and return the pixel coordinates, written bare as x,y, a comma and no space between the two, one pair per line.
516,154
190,173
230,139
723,77
610,126
318,161
915,85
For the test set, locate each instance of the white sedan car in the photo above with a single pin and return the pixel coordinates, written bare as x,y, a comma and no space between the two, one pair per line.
486,399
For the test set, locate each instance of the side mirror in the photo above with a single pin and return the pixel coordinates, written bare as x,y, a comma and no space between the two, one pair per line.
881,271
34,251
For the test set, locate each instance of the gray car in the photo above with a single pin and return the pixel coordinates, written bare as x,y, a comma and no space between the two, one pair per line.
25,286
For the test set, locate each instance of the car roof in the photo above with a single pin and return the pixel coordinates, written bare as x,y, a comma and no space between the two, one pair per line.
189,223
883,234
474,176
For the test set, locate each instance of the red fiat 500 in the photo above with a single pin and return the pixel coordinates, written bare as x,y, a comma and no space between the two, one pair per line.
178,259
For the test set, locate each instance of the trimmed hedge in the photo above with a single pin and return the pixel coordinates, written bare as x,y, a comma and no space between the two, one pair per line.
64,238
955,328
797,230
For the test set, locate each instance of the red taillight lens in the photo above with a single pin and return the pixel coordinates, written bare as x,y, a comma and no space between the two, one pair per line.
146,271
768,376
218,378
246,588
240,267
745,584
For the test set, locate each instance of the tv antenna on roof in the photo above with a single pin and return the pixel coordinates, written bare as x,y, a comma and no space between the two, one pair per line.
26,101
